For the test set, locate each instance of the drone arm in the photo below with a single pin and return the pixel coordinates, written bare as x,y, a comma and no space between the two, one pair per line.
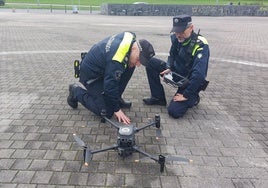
146,154
111,122
105,149
156,123
144,127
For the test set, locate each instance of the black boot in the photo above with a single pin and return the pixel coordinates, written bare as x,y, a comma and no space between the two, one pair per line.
124,104
155,101
197,102
71,100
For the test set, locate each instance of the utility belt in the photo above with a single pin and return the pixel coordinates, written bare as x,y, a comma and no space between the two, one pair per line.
77,64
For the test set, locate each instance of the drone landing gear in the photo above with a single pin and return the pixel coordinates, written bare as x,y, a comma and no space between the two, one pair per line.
87,153
160,160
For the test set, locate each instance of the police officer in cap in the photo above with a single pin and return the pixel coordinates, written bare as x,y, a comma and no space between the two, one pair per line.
188,57
105,71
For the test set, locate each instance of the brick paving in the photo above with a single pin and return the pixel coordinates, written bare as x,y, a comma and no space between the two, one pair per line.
226,135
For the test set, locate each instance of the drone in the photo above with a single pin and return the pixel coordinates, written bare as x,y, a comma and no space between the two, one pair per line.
126,143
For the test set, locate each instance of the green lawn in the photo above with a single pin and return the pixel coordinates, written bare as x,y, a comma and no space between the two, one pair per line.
99,2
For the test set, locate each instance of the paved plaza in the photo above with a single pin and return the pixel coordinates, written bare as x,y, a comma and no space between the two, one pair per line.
226,135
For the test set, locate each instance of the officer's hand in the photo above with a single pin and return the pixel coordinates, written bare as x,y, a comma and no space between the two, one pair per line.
122,117
179,97
165,72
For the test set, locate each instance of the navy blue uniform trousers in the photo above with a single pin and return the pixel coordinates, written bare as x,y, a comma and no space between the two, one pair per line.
93,97
175,109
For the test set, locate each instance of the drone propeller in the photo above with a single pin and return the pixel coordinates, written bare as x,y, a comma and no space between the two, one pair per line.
168,158
158,133
163,159
79,141
179,159
87,152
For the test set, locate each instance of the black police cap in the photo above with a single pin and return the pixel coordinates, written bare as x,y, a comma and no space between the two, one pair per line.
180,23
146,51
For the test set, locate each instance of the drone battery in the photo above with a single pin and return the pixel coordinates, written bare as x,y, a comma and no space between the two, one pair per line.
76,69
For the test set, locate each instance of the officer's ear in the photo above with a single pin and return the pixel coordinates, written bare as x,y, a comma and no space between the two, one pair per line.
191,27
135,49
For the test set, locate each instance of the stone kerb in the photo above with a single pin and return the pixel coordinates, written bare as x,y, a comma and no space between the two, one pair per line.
171,10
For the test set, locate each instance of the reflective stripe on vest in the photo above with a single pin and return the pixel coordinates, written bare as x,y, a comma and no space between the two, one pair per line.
198,46
123,47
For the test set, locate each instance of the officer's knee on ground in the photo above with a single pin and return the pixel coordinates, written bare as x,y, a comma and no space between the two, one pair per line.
173,112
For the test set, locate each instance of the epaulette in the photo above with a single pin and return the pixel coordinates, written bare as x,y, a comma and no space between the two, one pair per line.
200,42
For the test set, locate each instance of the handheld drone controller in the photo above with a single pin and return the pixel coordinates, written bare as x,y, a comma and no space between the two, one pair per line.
170,80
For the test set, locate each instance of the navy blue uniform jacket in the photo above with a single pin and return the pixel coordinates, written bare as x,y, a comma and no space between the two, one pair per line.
107,60
196,69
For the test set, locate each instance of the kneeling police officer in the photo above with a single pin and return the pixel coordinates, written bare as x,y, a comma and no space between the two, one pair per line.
188,57
105,71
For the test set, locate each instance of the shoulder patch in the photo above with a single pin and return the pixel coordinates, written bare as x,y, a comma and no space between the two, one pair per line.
118,75
199,56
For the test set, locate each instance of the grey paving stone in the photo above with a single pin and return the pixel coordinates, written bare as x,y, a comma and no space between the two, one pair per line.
169,181
52,154
207,182
225,135
23,177
259,183
6,143
125,169
48,145
151,181
21,164
18,144
98,179
42,177
242,183
55,165
72,166
6,136
26,185
60,178
8,185
47,186
7,175
63,145
21,153
6,153
36,154
132,180
6,163
115,180
227,161
78,179
110,167
68,155
33,145
38,164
